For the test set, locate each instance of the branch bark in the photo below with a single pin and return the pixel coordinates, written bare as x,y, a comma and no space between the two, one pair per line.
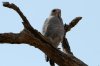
31,36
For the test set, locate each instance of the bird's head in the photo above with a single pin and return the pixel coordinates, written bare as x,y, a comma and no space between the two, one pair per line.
56,12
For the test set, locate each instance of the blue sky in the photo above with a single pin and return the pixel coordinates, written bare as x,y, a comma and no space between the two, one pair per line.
84,38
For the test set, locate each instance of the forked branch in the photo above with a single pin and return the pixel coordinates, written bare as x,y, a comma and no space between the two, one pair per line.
31,36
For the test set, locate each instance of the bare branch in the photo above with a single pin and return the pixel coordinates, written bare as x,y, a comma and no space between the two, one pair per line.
25,36
14,7
9,38
72,24
17,38
65,44
25,21
34,38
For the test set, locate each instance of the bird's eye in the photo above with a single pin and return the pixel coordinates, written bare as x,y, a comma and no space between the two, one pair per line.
54,10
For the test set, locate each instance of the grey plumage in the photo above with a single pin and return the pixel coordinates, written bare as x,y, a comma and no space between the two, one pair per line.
53,29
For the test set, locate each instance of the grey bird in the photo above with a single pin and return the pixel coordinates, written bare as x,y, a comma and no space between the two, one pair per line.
53,29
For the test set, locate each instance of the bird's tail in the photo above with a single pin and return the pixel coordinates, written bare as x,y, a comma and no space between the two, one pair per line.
49,60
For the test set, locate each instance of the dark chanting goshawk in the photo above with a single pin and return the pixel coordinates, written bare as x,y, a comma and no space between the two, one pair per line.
53,29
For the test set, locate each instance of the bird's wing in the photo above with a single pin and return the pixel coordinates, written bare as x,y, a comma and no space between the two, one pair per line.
49,25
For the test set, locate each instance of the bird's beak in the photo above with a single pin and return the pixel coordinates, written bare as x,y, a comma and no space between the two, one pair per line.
59,13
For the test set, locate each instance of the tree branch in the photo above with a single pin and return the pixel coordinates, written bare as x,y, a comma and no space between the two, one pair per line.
71,24
25,21
65,44
34,38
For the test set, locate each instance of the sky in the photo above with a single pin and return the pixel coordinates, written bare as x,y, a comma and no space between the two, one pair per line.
84,38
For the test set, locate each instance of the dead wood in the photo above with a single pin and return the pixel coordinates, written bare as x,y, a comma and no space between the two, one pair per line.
31,36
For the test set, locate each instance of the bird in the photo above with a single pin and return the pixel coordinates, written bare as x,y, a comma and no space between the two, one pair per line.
53,29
